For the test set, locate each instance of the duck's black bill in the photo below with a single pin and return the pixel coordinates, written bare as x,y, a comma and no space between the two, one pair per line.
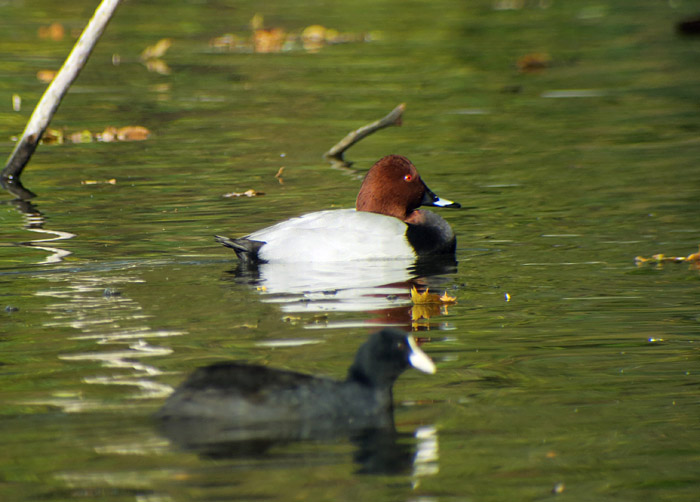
430,199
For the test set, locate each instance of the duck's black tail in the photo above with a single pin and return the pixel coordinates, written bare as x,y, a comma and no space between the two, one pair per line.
246,249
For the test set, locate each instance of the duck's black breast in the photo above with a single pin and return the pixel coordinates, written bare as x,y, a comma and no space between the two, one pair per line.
432,236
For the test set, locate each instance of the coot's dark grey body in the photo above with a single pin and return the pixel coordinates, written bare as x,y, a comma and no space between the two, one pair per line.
233,402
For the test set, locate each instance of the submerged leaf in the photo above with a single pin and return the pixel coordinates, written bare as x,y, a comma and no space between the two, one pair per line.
533,62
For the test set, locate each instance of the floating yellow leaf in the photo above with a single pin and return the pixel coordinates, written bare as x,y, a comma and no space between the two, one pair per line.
45,76
270,40
445,298
659,259
247,193
423,298
52,136
694,256
227,41
81,137
257,22
156,50
108,135
429,298
94,182
558,488
313,37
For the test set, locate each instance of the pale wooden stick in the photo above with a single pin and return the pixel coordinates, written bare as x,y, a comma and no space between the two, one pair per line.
45,110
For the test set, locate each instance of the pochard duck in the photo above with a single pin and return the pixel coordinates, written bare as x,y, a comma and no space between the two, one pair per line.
385,224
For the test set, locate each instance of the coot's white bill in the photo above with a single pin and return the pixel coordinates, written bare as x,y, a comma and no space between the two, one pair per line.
420,359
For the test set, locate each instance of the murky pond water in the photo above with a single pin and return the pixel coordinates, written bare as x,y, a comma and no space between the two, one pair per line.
569,133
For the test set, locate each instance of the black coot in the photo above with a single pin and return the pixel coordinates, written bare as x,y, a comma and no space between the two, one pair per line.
232,401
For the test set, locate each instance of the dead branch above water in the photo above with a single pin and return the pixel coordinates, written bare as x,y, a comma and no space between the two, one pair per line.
335,154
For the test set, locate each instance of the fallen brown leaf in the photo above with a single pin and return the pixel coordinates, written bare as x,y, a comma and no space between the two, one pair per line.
267,41
54,31
133,133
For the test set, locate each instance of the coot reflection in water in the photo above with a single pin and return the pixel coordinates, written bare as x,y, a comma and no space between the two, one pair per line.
237,409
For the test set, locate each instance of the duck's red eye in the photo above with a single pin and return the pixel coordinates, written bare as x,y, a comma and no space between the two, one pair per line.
408,177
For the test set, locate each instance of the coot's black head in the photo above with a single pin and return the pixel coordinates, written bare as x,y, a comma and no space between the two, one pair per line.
385,355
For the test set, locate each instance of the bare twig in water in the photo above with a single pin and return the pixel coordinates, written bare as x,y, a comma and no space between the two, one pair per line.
335,154
44,111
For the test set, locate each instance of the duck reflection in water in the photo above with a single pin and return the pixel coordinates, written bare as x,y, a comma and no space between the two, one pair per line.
381,288
237,409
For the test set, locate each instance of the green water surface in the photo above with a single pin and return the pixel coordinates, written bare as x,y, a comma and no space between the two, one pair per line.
564,370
